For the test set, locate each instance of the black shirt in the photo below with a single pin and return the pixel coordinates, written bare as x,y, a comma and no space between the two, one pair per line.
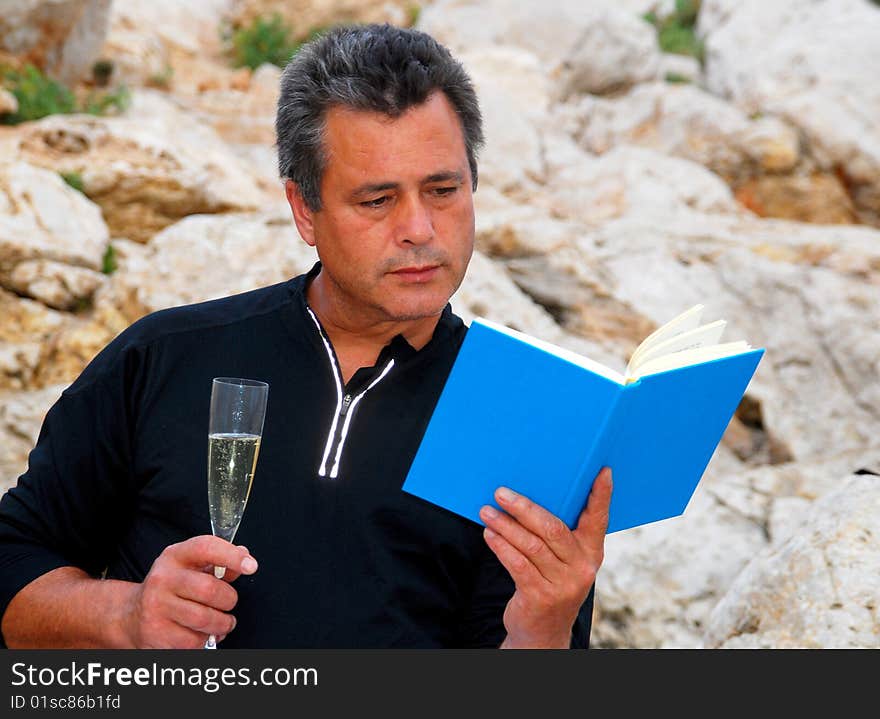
347,559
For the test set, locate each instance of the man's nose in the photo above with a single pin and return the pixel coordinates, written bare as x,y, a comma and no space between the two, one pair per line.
415,224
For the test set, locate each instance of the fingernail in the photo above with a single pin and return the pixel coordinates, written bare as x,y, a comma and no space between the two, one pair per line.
488,512
248,565
489,534
505,495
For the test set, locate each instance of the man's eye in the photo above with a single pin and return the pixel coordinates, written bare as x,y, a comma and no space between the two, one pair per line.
377,202
444,191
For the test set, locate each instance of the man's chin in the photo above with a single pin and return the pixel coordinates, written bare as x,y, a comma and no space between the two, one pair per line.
409,312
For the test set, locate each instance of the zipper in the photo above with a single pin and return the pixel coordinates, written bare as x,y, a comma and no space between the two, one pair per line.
345,406
346,412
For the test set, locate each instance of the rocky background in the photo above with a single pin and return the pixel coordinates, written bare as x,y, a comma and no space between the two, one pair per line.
620,185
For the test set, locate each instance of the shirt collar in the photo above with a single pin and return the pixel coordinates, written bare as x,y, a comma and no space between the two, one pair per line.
398,348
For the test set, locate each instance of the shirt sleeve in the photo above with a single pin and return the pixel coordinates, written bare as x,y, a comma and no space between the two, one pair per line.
483,623
68,508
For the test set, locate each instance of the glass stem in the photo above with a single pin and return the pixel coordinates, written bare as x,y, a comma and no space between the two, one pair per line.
212,640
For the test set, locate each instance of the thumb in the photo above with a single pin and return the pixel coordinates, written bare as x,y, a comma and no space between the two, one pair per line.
593,521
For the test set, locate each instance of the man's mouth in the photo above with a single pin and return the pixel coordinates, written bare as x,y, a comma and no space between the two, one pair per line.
421,273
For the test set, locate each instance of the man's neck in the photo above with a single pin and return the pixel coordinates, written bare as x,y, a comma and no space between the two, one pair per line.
357,336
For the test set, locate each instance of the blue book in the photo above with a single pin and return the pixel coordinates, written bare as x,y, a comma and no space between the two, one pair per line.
542,420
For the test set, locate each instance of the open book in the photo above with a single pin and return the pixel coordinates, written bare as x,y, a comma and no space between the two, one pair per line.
543,420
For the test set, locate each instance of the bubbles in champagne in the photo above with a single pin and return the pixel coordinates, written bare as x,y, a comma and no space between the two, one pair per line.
232,460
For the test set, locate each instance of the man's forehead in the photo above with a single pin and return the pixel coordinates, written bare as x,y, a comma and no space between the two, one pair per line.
357,141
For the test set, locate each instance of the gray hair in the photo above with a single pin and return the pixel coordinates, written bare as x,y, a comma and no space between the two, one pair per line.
378,68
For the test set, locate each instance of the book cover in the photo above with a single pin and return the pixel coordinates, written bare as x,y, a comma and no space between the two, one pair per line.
533,418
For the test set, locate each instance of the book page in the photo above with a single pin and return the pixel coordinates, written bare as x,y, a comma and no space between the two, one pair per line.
687,320
690,357
562,352
702,336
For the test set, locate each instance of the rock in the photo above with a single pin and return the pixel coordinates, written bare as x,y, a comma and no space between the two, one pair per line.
487,291
243,251
687,122
816,197
21,415
61,37
306,16
516,71
145,173
513,96
596,47
788,287
8,102
67,352
819,588
679,68
658,582
39,215
634,181
615,50
55,284
26,327
785,58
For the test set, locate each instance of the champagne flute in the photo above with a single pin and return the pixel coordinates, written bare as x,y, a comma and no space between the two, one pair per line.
235,428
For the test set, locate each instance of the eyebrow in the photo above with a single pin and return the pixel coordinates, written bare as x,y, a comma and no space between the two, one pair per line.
369,189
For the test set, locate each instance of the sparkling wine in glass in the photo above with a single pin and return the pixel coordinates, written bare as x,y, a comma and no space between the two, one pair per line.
235,428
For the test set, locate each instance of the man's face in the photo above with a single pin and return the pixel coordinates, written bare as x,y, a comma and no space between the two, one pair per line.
395,231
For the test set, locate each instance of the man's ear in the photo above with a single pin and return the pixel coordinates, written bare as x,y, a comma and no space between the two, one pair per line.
302,215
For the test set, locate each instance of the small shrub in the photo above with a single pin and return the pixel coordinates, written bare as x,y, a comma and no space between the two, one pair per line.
99,103
414,11
675,32
263,41
675,77
108,262
37,95
74,179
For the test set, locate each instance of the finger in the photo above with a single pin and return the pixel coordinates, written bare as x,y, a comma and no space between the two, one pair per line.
521,570
205,589
229,574
208,550
200,618
529,545
539,522
175,636
593,521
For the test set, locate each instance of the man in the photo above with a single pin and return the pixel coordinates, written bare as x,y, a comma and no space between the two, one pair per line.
105,541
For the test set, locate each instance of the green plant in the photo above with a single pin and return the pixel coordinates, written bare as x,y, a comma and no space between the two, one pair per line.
264,40
109,262
675,77
37,95
74,179
100,103
675,32
414,10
